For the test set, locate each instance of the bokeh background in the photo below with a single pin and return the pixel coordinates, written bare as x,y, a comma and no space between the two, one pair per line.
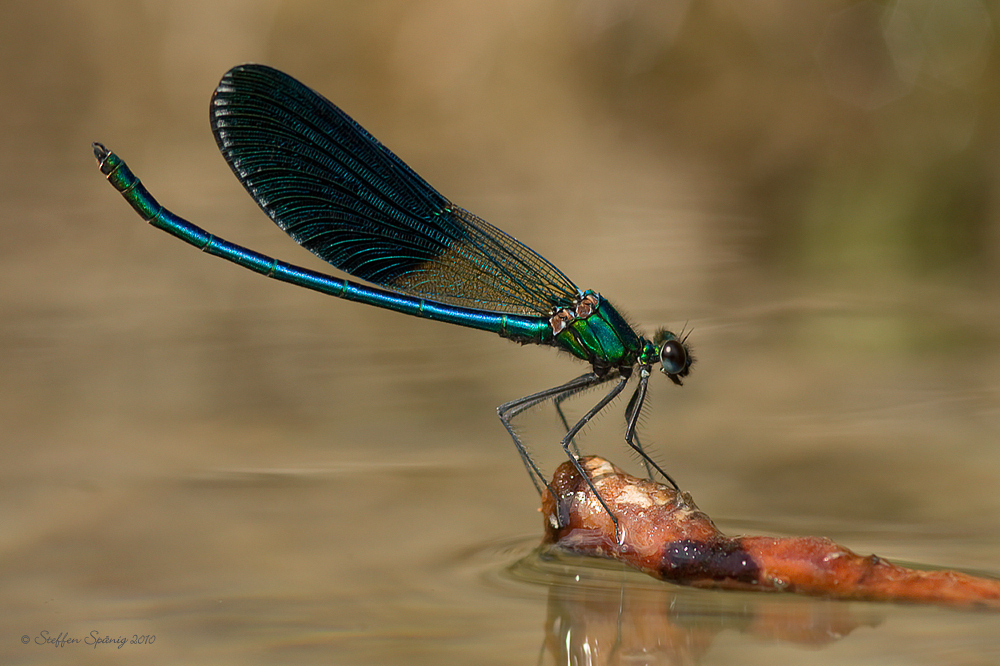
255,474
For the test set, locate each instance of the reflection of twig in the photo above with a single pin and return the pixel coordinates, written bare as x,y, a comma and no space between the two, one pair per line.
608,624
665,535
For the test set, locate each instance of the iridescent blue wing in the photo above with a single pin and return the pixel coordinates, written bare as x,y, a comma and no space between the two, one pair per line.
344,196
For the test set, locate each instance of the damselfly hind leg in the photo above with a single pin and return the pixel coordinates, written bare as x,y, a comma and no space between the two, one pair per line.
509,410
611,395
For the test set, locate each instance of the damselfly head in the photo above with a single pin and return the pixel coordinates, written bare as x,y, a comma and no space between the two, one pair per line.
675,355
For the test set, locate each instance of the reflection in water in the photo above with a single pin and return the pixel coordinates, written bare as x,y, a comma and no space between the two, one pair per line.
599,613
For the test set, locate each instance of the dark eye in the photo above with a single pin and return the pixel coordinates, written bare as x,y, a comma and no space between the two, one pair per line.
674,358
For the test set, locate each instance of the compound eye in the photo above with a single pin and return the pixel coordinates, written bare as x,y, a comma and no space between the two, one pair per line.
674,358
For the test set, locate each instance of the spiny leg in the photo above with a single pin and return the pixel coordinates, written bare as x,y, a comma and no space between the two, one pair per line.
557,402
612,394
637,396
632,418
509,410
629,410
562,397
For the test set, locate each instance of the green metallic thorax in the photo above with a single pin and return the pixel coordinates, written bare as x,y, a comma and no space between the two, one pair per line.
603,338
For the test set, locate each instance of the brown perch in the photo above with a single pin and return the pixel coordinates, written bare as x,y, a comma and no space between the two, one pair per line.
666,536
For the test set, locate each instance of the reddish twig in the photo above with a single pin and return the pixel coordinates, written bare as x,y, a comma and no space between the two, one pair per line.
665,535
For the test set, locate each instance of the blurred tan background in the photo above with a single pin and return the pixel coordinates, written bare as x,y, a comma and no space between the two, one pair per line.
813,189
